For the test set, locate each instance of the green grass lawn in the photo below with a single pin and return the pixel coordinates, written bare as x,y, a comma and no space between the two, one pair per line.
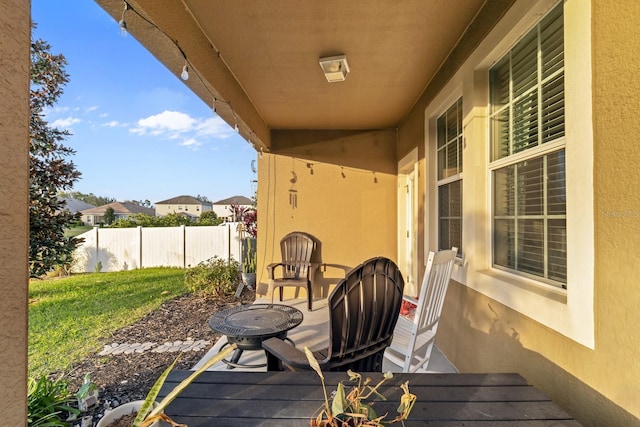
74,231
68,316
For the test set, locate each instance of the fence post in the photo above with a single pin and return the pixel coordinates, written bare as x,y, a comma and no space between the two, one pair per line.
97,229
139,246
184,246
229,244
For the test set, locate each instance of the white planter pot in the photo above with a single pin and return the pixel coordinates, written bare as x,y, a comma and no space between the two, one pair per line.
121,410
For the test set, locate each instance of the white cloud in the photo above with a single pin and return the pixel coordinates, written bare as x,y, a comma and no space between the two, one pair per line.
191,143
103,115
214,127
174,125
169,122
65,123
91,108
112,124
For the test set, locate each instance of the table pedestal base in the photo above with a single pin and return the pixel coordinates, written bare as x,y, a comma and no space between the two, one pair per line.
272,363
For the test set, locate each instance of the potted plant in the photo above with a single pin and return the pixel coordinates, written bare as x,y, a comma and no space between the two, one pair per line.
249,265
351,409
149,413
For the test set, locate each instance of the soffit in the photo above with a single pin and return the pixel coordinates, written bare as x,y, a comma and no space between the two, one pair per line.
393,48
262,56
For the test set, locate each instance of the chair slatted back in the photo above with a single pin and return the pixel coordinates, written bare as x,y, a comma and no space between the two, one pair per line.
296,249
434,289
363,311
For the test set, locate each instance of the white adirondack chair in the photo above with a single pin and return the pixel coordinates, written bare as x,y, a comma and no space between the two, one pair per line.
413,339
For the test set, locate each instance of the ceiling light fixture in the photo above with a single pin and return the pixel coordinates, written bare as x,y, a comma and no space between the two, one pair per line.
335,68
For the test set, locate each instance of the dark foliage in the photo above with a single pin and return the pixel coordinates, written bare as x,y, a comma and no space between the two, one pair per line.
109,215
50,170
90,198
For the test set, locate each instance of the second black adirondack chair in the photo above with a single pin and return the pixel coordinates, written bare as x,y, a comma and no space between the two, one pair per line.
363,311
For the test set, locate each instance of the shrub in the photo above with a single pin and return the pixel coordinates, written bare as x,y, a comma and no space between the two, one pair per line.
48,402
209,218
216,277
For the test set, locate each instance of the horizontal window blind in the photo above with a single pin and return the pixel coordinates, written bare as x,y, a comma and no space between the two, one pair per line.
449,167
450,215
530,217
527,110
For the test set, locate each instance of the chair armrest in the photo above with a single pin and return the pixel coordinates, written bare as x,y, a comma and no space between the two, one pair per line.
313,267
271,268
288,354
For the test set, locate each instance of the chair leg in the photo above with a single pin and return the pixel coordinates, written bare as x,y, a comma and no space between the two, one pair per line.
309,298
272,289
281,292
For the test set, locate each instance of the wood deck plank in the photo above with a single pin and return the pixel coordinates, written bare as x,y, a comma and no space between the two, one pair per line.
287,399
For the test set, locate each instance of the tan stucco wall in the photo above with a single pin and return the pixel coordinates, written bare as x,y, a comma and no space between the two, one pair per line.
14,197
599,386
481,335
353,217
616,67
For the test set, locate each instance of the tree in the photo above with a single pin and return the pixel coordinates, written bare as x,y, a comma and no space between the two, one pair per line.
90,198
248,216
109,215
209,218
203,199
144,203
50,170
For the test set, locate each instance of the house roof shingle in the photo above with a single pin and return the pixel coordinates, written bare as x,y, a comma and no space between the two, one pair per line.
120,208
183,200
235,200
75,205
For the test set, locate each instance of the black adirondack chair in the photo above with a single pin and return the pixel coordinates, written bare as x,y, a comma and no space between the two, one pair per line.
363,311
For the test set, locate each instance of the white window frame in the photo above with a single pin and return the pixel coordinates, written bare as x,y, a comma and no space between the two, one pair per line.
569,312
440,182
541,150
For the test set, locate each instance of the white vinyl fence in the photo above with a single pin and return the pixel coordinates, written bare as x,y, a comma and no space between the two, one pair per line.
116,249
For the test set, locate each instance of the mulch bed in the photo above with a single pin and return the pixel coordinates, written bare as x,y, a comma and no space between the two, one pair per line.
126,377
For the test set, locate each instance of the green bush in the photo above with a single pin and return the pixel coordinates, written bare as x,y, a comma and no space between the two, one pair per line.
215,277
48,402
171,220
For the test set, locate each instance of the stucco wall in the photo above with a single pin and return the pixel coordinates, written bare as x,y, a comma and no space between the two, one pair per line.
303,189
14,196
616,66
599,386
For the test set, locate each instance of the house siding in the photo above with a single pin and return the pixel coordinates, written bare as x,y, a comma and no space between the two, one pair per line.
597,382
598,385
197,210
353,217
15,29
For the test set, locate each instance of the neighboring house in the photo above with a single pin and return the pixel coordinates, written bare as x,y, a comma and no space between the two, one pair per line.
507,127
182,205
222,208
121,210
75,205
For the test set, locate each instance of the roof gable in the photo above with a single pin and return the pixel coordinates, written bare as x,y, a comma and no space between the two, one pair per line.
121,208
235,200
183,200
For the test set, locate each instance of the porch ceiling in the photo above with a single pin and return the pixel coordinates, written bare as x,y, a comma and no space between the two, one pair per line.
260,58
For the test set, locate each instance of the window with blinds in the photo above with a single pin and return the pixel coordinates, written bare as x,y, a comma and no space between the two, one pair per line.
527,154
449,155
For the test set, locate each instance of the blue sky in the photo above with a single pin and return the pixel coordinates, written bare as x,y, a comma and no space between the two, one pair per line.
138,131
